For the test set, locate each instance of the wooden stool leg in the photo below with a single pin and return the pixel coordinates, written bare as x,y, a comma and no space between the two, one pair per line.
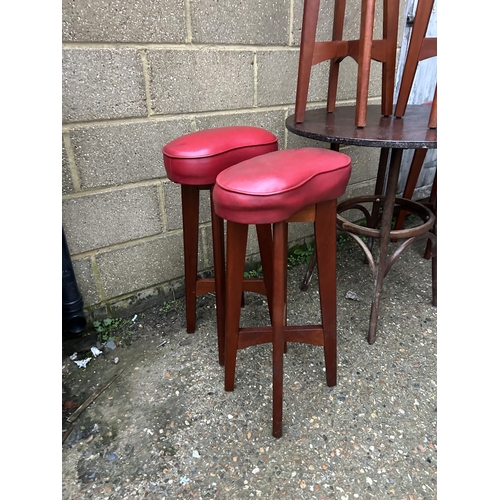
190,216
237,242
265,238
280,241
314,258
326,248
220,278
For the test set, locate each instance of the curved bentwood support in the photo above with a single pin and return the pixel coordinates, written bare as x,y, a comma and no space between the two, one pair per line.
412,234
393,135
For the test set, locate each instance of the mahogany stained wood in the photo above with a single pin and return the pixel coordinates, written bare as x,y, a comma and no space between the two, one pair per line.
237,235
279,333
196,286
219,278
419,48
363,50
190,214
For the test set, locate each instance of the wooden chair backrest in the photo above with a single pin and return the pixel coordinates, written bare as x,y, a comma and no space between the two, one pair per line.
419,48
363,50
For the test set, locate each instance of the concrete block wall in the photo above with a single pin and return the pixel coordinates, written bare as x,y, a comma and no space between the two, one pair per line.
136,75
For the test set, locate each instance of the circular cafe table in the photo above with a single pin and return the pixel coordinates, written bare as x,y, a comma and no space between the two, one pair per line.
393,136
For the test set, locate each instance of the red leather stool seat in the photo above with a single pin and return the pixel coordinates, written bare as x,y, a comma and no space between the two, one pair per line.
273,187
197,158
194,161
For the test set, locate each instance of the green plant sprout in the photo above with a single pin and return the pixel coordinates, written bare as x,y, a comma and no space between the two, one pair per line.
105,327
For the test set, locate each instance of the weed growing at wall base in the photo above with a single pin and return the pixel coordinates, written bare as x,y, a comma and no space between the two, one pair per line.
105,327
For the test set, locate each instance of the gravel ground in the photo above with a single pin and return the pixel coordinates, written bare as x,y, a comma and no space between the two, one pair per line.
165,428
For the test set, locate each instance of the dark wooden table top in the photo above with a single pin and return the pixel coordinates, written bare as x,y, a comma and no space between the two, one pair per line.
409,132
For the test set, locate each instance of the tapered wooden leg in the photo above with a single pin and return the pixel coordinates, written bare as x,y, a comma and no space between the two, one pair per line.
314,258
433,204
190,214
236,243
411,182
389,34
364,59
431,248
433,113
434,275
415,54
279,320
265,238
220,279
326,248
337,32
309,23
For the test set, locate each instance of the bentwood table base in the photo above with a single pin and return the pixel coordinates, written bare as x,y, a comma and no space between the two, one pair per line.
393,136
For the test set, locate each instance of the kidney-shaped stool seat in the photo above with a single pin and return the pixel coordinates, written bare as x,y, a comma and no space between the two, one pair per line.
194,160
280,187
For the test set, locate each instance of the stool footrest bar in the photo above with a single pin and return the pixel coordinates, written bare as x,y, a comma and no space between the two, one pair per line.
207,285
255,335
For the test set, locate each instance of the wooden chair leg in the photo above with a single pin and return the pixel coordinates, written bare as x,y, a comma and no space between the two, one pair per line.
279,314
431,248
391,16
373,219
237,235
434,274
333,79
309,23
411,182
422,17
326,248
190,216
220,279
433,203
433,113
364,60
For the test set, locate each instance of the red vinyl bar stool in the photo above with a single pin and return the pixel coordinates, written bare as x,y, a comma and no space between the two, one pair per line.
278,188
194,160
